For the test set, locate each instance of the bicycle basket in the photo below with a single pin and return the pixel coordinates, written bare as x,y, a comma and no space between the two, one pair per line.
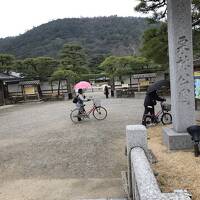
97,102
166,106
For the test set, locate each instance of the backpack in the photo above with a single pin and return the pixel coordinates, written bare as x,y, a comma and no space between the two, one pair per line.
75,99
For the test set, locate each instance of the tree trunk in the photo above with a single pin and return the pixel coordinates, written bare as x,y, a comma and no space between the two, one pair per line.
69,89
6,95
120,79
112,87
51,87
59,88
39,91
2,98
130,81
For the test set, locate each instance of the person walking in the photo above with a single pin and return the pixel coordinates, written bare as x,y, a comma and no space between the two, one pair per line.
106,91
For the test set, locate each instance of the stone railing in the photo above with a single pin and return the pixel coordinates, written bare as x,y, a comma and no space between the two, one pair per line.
142,184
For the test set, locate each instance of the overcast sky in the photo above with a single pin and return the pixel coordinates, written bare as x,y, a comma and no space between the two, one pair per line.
18,16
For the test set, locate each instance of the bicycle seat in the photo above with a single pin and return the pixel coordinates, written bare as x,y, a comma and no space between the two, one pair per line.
194,131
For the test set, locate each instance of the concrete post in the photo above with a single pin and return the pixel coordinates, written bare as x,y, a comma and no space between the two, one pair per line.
136,136
181,64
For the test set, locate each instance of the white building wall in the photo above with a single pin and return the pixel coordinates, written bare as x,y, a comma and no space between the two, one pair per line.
14,88
46,86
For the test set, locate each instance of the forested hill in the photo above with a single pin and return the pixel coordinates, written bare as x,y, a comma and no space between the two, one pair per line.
99,36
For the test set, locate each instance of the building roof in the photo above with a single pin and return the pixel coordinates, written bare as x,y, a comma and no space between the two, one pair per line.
147,75
7,77
35,82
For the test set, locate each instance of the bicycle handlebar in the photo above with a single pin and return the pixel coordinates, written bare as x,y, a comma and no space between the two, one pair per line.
161,102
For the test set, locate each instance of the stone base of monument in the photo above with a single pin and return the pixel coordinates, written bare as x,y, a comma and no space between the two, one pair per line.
176,141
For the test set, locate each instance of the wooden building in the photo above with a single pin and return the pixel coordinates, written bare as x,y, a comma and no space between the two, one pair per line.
30,89
2,102
6,79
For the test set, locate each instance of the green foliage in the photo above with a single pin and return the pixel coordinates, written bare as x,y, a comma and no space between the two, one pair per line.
125,65
40,68
94,63
98,36
155,40
195,10
63,74
72,63
158,9
74,58
6,62
155,45
109,65
196,44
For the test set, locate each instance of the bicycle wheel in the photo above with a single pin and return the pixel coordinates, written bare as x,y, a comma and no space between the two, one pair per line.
74,115
166,118
148,120
100,113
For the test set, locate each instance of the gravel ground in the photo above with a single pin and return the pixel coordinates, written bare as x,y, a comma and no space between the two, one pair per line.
44,156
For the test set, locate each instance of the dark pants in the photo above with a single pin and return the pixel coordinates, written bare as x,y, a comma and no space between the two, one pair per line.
81,111
79,119
148,110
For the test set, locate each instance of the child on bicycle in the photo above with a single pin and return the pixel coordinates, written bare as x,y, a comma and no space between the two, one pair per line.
150,102
80,102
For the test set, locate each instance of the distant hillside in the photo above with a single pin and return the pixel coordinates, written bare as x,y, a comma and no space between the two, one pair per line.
99,36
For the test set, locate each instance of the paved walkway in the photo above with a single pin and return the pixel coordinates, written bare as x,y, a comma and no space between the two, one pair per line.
44,156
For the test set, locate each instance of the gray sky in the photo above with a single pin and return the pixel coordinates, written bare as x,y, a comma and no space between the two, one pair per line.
18,16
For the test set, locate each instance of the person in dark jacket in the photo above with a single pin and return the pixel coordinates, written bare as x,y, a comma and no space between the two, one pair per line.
150,102
106,91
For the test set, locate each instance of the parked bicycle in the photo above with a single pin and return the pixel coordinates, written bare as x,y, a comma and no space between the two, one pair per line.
162,116
99,112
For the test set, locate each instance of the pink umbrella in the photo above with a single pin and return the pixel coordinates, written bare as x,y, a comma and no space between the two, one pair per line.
83,85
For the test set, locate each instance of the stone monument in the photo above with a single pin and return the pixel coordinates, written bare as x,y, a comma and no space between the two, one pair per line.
181,74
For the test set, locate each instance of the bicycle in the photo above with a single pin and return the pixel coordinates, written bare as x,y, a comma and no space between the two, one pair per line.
162,116
99,112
